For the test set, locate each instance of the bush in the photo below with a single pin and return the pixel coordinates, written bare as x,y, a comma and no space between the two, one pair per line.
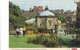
51,43
45,40
31,38
40,40
75,43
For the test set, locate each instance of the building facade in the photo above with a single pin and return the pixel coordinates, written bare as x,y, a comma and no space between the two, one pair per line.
46,20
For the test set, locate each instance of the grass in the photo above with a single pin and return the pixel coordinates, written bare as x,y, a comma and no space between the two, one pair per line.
20,42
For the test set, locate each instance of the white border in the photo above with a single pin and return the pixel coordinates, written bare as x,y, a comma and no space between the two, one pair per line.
4,21
4,24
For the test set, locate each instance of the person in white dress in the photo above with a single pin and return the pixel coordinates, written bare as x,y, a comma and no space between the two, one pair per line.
21,32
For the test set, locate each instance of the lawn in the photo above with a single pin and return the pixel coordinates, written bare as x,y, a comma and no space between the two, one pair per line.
20,42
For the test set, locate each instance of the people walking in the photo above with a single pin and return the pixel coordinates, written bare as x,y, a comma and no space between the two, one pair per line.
17,31
24,31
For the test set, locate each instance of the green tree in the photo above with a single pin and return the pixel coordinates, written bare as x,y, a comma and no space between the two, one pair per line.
61,18
16,17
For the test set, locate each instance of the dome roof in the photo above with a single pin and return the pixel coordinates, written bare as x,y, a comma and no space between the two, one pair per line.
46,13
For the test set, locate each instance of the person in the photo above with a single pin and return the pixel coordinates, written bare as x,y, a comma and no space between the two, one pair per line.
17,31
24,31
53,31
21,32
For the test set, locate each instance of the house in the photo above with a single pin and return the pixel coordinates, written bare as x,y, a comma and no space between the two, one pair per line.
46,20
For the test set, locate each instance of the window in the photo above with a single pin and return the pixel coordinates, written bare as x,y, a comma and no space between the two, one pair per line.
50,21
43,25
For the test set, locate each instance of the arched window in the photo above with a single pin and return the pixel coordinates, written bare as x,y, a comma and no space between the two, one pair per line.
50,22
43,25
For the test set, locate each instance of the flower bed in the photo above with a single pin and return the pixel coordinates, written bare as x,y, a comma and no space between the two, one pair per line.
48,41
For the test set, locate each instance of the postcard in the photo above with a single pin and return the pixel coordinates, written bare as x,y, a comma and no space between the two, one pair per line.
44,24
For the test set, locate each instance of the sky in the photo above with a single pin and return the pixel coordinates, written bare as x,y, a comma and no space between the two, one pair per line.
52,4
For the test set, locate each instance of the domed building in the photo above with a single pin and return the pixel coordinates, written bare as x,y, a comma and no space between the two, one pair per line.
46,20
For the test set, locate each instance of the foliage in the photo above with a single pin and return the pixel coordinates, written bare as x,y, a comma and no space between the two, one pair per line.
34,26
16,17
61,18
78,35
40,40
46,40
30,17
75,42
31,38
53,41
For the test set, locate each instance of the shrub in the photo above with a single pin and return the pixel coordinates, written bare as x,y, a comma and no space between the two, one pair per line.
40,40
75,43
31,38
53,41
45,40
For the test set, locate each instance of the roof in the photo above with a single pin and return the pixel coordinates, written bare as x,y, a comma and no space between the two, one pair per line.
46,13
30,20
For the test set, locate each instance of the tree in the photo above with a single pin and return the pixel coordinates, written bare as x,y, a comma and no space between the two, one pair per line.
61,18
16,17
78,22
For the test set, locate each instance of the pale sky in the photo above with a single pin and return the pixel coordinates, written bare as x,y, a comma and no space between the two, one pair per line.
52,4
